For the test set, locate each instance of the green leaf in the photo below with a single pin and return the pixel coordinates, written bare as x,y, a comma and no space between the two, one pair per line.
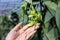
47,0
53,12
45,29
48,16
58,4
29,1
45,37
51,6
34,3
56,33
50,34
58,17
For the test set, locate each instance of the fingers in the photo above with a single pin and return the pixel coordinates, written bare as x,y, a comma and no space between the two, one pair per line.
37,25
25,27
29,35
28,31
28,28
17,26
31,29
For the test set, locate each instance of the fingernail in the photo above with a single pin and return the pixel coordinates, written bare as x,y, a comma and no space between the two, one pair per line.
36,27
21,22
38,24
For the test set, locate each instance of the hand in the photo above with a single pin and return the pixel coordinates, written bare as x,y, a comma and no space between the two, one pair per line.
13,34
22,34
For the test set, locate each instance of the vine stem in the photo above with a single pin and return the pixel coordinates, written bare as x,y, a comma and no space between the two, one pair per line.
23,17
39,31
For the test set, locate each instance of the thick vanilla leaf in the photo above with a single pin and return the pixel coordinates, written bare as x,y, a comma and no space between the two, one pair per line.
48,16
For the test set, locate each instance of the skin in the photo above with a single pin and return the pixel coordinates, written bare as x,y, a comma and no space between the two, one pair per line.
22,34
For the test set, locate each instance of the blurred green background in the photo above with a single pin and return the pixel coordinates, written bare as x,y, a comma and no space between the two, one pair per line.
11,14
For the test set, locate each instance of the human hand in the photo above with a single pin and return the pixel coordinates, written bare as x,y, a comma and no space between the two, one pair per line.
13,34
22,34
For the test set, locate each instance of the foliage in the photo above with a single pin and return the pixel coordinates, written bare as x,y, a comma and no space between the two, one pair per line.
46,12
